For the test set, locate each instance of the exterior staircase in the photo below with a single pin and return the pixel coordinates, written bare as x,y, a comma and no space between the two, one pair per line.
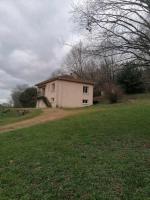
45,100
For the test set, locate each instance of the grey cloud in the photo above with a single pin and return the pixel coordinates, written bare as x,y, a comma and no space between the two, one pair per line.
30,32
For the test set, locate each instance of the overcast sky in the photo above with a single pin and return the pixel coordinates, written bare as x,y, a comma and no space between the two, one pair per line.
33,34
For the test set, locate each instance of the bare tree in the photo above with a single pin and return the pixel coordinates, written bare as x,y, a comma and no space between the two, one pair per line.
75,60
57,72
125,23
99,69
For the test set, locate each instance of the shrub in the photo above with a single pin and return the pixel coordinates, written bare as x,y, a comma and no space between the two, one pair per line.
28,98
112,92
130,79
97,100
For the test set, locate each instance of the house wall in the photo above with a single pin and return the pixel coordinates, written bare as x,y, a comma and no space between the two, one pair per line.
51,93
71,95
68,94
40,104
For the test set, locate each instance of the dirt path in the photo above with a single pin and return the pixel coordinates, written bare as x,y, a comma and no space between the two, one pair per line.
47,115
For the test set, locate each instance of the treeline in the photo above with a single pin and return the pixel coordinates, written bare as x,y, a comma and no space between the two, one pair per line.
115,53
116,49
110,77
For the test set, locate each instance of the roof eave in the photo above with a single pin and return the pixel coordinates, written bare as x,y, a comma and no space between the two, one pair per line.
61,79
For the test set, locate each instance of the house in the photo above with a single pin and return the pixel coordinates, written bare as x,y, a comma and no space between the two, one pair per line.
65,92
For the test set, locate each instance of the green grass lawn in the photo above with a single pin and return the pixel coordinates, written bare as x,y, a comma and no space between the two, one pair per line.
14,116
101,154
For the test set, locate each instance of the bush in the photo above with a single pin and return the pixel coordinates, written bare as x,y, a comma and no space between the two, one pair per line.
98,99
28,98
130,79
112,92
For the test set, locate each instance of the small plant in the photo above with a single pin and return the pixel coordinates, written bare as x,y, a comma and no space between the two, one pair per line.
112,92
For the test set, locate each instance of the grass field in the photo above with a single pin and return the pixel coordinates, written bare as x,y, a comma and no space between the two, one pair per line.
101,154
14,116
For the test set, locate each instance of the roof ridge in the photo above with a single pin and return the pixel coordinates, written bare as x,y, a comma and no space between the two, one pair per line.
69,78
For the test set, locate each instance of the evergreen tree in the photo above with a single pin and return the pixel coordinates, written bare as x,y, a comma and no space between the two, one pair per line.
130,79
29,97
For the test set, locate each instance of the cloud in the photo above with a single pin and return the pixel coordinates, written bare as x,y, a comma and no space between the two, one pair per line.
9,81
32,36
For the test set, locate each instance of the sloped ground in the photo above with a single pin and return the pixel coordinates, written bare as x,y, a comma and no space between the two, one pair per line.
98,155
47,115
14,115
55,114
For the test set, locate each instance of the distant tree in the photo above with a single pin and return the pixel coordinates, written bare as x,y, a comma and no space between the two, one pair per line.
57,72
75,61
5,105
15,95
28,98
10,102
130,79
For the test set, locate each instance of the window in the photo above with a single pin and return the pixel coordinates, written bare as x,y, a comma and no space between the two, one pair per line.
53,87
85,89
85,101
